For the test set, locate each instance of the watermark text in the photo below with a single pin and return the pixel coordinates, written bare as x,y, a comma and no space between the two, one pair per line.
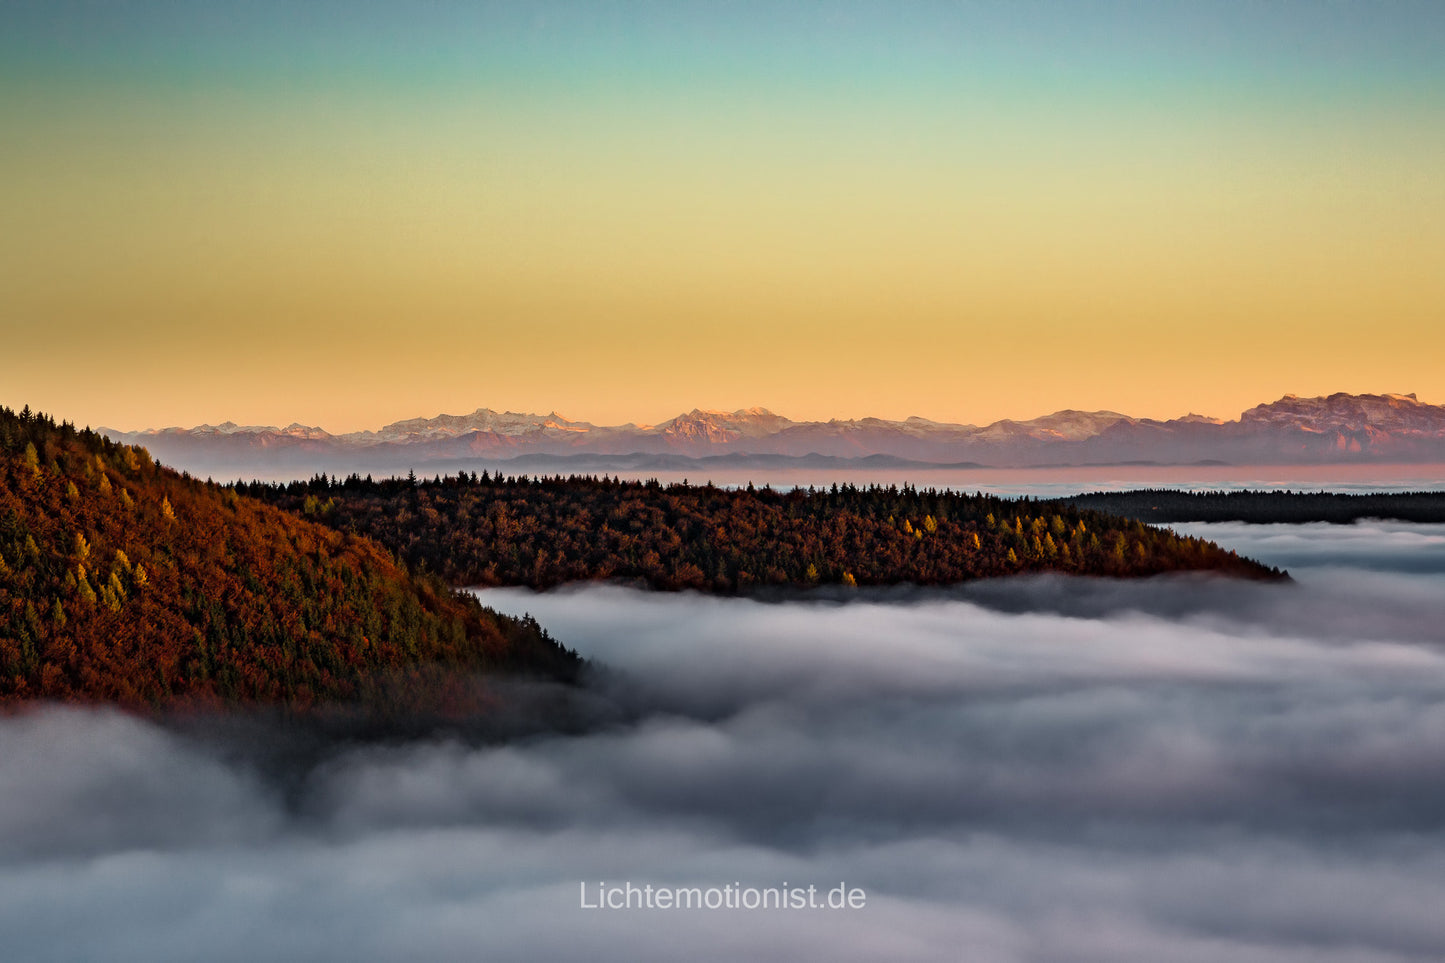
602,895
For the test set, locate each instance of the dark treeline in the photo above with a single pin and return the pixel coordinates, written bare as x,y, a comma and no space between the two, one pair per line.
124,581
540,532
1262,507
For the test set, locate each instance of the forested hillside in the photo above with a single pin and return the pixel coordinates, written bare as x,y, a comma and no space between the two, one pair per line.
542,532
124,581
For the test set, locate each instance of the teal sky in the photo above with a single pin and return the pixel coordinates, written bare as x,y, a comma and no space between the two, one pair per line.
1326,44
362,187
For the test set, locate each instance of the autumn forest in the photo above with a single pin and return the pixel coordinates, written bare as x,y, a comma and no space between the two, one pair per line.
124,581
542,532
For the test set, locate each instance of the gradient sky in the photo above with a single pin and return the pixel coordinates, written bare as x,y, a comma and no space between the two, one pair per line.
350,213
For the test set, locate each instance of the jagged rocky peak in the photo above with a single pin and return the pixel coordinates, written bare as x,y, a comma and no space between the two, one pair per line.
1344,411
483,419
714,425
224,428
298,430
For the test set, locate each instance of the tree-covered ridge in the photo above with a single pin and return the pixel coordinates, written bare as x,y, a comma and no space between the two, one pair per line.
542,532
124,581
1263,507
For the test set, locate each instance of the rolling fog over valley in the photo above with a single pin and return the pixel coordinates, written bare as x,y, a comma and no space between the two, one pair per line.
1039,768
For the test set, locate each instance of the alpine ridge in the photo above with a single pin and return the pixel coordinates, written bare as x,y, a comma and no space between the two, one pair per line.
1338,428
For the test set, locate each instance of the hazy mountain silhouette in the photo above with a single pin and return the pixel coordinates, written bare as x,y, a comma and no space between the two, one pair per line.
1388,428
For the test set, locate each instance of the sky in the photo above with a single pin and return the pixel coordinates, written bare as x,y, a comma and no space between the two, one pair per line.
345,214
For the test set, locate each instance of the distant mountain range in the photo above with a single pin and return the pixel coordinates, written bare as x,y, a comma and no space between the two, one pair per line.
1389,428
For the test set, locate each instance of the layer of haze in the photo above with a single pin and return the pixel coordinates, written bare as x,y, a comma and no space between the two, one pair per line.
1027,770
347,214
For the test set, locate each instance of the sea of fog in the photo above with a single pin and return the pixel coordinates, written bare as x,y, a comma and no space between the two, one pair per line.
1041,769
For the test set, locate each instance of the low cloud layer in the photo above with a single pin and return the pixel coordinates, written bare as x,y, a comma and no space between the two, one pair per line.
1376,545
1028,770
